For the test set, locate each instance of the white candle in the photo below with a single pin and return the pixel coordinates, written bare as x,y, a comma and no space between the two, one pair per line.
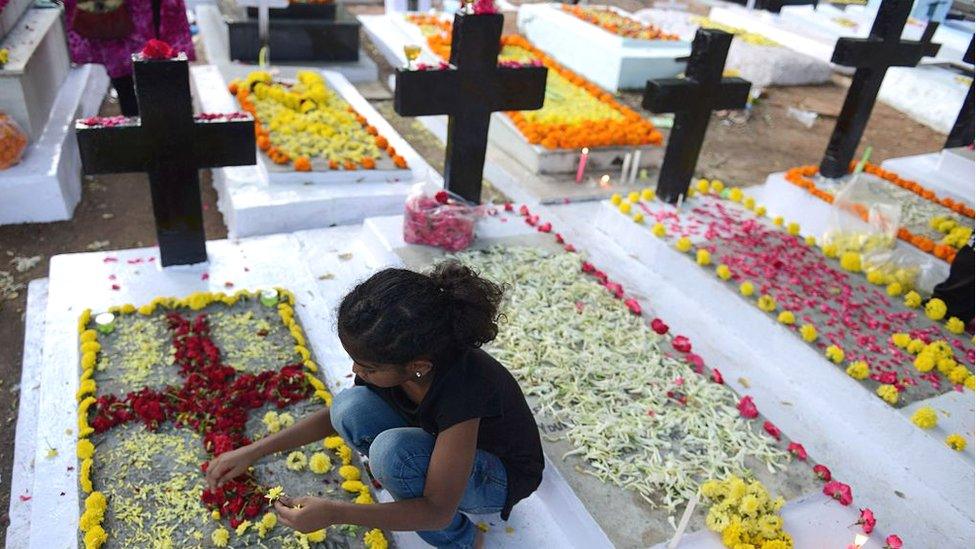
624,169
684,522
634,166
105,323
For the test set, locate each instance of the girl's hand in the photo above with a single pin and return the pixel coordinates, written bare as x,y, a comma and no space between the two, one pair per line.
306,514
229,465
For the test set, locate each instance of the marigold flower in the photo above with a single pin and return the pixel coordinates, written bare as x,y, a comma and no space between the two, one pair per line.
85,449
766,303
215,514
830,250
810,241
735,194
659,230
296,461
95,537
220,537
717,186
84,476
808,332
332,442
374,539
242,528
683,244
352,486
702,186
364,497
633,196
924,362
954,325
349,472
786,317
935,308
616,199
638,217
958,375
913,300
925,417
858,370
915,346
901,340
851,261
747,288
624,207
317,536
703,257
760,210
647,193
723,272
894,289
835,354
888,393
320,463
970,383
749,202
876,277
956,442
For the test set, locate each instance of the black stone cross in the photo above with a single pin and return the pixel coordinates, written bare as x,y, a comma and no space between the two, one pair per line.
468,92
171,145
692,100
871,57
964,130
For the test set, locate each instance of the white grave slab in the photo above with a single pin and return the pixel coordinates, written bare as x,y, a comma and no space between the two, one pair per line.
772,65
893,467
46,184
38,65
391,32
929,94
253,205
11,13
948,172
612,62
550,517
214,34
816,217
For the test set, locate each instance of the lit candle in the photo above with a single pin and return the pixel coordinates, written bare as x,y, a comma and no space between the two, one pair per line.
681,199
605,181
859,541
105,323
582,164
643,173
269,298
634,166
624,169
412,52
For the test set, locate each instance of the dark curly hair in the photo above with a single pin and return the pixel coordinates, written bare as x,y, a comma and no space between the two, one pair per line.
398,315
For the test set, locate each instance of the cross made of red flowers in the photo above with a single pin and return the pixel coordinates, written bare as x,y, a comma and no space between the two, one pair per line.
214,401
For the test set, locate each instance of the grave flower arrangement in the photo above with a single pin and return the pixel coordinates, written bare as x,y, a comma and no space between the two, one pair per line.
576,112
613,22
834,309
169,385
744,513
433,217
307,125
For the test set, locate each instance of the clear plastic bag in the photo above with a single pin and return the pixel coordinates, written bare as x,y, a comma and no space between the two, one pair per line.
433,217
13,141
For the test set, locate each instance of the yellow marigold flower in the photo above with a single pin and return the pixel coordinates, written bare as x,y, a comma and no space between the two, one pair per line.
242,528
220,537
345,454
702,186
717,186
315,382
659,230
274,494
888,393
945,365
271,421
716,520
647,193
808,332
786,317
747,288
778,221
616,199
269,520
956,442
955,325
95,537
851,261
876,277
835,354
735,194
320,463
925,418
311,366
958,375
732,535
749,202
333,442
198,300
913,300
147,309
325,396
90,347
128,309
830,250
86,387
776,544
970,383
296,461
88,335
364,497
915,346
723,272
88,360
749,505
683,244
638,217
703,257
84,476
766,303
894,289
83,319
374,539
924,362
349,472
935,308
633,196
352,486
97,502
810,240
858,370
90,519
317,536
85,449
760,210
624,207
286,420
215,514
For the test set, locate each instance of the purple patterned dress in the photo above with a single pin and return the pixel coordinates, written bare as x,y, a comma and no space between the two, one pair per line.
116,53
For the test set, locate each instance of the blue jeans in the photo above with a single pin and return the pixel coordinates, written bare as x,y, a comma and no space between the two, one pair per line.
399,456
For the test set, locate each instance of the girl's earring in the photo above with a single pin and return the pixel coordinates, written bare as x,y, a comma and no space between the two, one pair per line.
419,375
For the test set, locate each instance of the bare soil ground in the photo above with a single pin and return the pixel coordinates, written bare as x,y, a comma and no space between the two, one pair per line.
115,211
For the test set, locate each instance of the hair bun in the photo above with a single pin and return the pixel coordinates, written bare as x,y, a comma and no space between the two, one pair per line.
472,301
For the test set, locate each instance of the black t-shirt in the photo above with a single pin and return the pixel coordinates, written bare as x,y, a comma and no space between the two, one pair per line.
477,386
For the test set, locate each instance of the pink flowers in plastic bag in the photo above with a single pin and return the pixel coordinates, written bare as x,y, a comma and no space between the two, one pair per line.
434,219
